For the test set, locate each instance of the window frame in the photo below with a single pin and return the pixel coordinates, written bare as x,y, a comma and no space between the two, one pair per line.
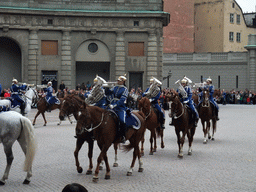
231,36
231,18
238,37
238,21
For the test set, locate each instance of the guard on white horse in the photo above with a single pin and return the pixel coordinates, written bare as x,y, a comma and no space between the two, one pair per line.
10,104
16,91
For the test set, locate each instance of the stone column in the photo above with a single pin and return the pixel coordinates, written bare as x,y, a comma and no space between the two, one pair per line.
152,68
33,62
251,47
65,73
160,53
120,54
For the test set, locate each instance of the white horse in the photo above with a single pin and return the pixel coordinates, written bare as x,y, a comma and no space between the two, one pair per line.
14,126
29,95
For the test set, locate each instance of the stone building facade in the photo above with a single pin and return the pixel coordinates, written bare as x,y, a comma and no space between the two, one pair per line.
228,70
73,40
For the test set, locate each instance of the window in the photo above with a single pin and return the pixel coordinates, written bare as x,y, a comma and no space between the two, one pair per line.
238,37
231,18
231,36
218,82
136,23
50,22
238,18
49,47
237,81
233,5
136,49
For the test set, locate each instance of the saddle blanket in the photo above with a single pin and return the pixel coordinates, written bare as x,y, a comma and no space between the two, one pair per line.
133,120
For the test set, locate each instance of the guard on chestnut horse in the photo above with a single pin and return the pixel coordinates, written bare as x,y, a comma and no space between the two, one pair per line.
103,126
206,114
182,121
152,124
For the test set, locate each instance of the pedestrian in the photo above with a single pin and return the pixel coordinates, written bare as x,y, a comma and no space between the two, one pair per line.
74,187
62,86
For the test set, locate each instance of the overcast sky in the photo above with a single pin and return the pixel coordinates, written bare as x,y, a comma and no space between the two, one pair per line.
247,5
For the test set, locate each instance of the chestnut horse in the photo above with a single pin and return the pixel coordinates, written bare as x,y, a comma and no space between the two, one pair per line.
103,125
71,105
42,107
152,124
181,121
205,110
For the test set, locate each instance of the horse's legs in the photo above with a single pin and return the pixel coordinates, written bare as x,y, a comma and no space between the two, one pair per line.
204,130
180,141
152,137
115,163
24,145
190,134
136,153
9,158
103,155
44,119
214,125
162,138
79,144
142,145
208,129
34,122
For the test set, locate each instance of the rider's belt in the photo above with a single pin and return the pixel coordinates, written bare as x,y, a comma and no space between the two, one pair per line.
15,93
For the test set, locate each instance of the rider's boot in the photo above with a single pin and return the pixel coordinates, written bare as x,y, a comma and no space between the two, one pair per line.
217,114
196,120
49,109
122,132
162,120
171,122
22,109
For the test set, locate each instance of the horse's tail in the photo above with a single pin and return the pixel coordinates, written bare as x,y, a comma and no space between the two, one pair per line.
158,131
28,131
127,148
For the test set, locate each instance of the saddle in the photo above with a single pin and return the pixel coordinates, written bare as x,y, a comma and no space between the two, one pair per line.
190,114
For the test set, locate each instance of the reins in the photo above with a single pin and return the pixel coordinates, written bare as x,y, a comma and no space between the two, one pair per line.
92,128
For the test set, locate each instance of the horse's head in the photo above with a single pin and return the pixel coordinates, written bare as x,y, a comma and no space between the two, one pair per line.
173,98
205,96
144,105
66,107
84,119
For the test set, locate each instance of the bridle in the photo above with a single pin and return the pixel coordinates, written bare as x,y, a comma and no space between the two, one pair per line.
90,127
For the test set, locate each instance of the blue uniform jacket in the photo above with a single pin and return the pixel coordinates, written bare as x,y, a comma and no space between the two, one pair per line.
119,94
16,92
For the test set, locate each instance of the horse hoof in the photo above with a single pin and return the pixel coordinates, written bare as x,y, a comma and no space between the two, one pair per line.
151,153
115,165
107,176
88,172
79,169
44,124
33,124
209,137
142,154
58,123
95,179
180,156
205,142
154,150
213,139
189,153
26,182
162,146
71,122
140,170
129,174
2,182
100,168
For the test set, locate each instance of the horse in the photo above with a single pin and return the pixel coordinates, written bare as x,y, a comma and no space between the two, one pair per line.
182,123
102,124
14,126
195,98
30,96
42,107
71,105
152,124
205,110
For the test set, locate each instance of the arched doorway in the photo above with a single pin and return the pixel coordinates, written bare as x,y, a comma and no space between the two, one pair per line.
92,58
10,62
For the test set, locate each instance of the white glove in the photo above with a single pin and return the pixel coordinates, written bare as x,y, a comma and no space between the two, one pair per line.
112,106
185,101
150,100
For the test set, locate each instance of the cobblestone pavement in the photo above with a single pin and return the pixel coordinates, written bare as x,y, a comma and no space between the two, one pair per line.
226,164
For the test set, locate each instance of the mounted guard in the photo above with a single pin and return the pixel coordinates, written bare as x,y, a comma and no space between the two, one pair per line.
185,95
50,99
153,93
210,88
97,95
17,95
119,93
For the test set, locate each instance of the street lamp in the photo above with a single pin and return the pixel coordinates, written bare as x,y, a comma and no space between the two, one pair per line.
36,50
168,77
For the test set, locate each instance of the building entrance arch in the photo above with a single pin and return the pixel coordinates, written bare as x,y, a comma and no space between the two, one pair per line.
10,62
92,58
